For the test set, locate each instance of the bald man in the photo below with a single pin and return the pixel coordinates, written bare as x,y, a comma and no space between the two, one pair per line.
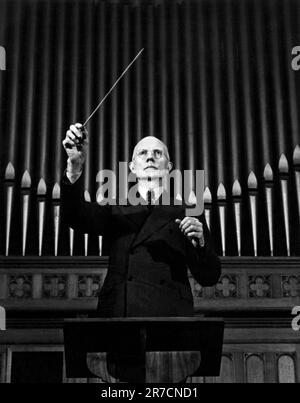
151,247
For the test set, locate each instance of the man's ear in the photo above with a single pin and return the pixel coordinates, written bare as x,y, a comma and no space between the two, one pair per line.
132,167
170,166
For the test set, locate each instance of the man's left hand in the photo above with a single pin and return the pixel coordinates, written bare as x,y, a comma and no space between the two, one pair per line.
192,228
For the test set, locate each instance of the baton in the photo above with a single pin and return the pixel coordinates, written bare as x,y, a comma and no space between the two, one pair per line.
82,128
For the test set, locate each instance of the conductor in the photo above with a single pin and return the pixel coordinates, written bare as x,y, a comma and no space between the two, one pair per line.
152,245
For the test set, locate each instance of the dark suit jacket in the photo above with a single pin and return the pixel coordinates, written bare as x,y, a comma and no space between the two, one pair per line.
149,256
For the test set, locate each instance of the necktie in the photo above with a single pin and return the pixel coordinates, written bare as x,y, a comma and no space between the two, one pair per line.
150,199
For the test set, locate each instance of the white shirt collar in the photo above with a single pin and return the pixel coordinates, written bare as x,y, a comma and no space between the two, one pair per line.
157,192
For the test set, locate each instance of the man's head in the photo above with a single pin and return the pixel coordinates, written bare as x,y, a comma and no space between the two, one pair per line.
150,159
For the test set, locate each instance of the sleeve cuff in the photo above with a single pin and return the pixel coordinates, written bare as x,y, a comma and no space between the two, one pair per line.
70,178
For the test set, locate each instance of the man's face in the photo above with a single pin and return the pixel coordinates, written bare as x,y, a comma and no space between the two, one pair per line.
150,160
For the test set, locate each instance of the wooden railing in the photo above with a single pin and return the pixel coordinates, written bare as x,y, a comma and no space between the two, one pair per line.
71,284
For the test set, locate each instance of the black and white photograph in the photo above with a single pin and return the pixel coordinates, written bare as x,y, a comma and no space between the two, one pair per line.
149,194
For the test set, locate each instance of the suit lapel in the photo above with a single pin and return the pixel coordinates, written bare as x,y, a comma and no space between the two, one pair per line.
135,214
147,224
160,216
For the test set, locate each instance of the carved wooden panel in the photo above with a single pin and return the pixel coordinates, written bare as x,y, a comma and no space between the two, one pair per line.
255,368
227,369
65,283
286,369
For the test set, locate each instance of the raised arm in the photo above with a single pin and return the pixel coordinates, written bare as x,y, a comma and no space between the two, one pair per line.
76,212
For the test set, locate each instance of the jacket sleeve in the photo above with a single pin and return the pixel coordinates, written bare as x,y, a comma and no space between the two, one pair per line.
87,217
203,263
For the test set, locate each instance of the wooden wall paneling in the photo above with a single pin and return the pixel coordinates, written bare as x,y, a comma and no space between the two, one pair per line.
37,286
2,366
239,368
227,370
8,365
241,362
297,362
286,369
3,286
29,281
254,368
267,337
270,367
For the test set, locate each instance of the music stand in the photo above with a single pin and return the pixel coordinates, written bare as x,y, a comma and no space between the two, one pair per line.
140,335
